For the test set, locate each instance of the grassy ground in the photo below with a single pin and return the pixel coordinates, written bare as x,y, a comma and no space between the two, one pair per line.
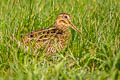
94,54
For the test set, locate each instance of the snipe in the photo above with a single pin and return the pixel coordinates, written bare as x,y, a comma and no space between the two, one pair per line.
51,39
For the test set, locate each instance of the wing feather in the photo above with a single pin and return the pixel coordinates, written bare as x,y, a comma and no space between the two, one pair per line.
41,35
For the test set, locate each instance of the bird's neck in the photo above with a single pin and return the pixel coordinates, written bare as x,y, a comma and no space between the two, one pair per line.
63,28
66,32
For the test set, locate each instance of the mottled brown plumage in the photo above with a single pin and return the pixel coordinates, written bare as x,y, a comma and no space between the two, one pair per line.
51,39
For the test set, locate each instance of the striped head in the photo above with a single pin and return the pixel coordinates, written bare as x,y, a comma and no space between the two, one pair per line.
64,22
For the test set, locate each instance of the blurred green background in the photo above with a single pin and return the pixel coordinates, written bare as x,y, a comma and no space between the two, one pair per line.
94,54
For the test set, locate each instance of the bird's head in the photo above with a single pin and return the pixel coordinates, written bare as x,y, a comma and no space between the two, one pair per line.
64,22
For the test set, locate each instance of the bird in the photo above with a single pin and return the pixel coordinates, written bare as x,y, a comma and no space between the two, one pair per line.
52,39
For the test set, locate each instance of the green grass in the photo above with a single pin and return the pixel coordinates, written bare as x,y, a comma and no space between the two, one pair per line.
94,54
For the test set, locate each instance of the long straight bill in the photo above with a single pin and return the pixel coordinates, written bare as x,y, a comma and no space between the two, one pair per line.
75,28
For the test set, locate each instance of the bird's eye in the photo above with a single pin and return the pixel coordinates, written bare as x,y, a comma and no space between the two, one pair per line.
65,16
